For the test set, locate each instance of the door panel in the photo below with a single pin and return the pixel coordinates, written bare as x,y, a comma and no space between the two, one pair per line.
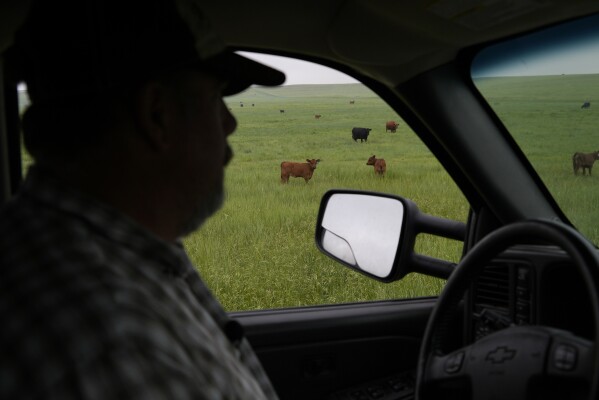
311,352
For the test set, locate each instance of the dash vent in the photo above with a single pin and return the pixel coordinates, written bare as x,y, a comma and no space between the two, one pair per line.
501,296
493,288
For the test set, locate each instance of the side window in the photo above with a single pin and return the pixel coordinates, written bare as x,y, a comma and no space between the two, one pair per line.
258,251
543,87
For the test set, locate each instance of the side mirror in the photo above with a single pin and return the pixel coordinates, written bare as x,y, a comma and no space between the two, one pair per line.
374,234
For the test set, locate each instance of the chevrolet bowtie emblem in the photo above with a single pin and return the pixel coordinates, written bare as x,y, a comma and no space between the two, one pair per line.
500,355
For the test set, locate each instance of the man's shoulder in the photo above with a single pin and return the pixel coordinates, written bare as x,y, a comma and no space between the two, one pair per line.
33,235
70,298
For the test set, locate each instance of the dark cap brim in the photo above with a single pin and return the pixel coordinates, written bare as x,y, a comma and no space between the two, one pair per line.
241,72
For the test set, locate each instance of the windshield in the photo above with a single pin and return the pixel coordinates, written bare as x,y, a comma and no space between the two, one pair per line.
545,89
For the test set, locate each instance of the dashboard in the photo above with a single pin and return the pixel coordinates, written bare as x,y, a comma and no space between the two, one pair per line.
528,285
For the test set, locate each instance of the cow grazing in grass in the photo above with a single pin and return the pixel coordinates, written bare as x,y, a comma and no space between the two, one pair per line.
584,161
391,126
586,104
379,164
281,111
351,102
298,170
360,133
317,116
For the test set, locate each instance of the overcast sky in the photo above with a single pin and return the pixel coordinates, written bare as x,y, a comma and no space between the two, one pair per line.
301,72
572,48
583,59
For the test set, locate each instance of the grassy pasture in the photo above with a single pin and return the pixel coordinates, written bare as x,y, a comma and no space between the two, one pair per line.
259,251
544,115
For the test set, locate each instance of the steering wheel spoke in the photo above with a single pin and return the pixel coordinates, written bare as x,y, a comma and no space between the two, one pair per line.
447,367
570,357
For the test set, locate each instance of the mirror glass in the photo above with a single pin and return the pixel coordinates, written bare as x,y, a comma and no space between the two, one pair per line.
363,231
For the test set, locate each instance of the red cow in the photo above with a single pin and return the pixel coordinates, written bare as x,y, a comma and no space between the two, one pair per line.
380,166
391,126
317,116
298,170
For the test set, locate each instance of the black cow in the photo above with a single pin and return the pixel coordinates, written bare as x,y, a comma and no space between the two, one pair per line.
586,104
360,133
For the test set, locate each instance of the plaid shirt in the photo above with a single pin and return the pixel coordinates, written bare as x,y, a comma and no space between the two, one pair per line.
92,306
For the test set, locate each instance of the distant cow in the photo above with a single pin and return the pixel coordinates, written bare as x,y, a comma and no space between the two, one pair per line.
391,126
281,111
351,102
360,133
298,170
317,116
584,161
379,165
586,104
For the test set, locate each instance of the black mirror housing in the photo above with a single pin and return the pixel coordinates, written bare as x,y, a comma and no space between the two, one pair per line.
375,234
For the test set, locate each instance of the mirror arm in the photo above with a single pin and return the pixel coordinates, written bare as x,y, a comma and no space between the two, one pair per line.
432,266
441,227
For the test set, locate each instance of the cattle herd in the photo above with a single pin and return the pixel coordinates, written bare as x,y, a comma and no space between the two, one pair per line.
306,169
362,133
580,161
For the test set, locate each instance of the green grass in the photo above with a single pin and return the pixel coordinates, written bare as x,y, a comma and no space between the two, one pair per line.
545,117
258,251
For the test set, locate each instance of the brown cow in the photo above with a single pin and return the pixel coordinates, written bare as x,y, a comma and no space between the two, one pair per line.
317,116
351,102
298,170
380,166
584,161
391,126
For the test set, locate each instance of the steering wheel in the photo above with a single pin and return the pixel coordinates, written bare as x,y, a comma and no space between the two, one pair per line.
508,363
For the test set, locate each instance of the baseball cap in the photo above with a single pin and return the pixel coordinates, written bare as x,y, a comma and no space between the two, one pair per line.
74,47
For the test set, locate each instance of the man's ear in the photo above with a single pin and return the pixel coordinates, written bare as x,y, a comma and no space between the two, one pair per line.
154,110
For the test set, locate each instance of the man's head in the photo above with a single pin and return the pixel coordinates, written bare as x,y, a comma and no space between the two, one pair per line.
88,47
183,125
138,82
